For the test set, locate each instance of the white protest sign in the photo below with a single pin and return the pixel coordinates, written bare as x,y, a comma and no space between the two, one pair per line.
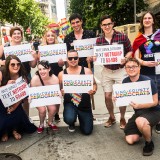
53,53
85,46
108,54
23,52
157,59
138,92
12,93
77,83
44,95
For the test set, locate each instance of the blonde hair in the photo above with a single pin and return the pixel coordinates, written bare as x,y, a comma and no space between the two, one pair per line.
44,38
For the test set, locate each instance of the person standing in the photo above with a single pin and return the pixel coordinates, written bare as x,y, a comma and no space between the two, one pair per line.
145,46
78,33
113,73
146,115
77,104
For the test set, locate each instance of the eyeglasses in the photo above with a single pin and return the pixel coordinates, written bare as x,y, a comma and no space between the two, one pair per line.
70,58
108,24
72,23
15,64
131,67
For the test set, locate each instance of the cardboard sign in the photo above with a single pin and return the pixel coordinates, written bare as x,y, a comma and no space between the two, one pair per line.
157,59
85,47
12,93
53,53
138,92
108,54
44,95
23,52
77,83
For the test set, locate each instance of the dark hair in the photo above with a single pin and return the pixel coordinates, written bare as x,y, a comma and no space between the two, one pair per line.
14,29
72,50
6,73
106,17
132,60
46,65
141,22
74,16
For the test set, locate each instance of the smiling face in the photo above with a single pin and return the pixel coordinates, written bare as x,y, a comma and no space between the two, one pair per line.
107,26
72,59
43,72
16,36
50,37
76,24
148,20
14,66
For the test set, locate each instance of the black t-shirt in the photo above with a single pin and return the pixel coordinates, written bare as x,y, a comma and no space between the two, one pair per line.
153,88
69,42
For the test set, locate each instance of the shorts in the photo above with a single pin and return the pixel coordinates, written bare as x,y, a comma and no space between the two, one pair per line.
156,79
110,77
153,117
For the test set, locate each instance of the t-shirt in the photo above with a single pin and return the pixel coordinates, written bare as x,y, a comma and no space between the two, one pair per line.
153,88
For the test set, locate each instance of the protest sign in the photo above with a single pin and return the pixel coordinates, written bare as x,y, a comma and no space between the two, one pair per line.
12,93
44,95
85,47
138,92
157,59
23,52
77,83
108,54
53,53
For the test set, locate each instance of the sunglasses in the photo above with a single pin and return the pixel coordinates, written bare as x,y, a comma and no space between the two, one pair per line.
15,64
70,58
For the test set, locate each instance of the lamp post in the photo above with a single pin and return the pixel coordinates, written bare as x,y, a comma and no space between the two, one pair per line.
135,20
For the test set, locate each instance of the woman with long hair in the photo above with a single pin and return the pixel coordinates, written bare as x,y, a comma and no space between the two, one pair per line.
13,120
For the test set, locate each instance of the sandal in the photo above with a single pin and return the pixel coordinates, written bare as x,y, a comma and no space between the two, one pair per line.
16,135
4,138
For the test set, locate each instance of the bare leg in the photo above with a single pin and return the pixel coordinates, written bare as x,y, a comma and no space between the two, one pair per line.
42,114
52,109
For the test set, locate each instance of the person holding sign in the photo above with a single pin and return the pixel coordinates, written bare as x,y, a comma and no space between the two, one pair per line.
50,38
145,47
13,119
76,104
45,77
146,115
113,73
77,34
16,35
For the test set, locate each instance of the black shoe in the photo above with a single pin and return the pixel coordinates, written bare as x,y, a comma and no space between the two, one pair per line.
158,128
148,148
56,117
71,128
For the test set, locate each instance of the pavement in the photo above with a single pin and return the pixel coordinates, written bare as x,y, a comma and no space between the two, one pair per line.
103,143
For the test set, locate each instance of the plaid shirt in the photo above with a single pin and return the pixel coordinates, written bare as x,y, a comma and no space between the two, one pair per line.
117,38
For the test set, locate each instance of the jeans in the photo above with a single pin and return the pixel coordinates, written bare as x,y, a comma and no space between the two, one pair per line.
70,114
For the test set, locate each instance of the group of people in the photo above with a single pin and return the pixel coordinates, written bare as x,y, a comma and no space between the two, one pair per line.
139,68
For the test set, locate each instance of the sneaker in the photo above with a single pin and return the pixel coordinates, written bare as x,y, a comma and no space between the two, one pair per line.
71,128
158,128
40,129
110,122
148,148
53,127
122,123
56,117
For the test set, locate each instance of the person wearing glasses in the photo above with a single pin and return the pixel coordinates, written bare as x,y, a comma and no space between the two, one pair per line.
16,35
44,77
146,115
50,38
77,104
113,73
78,33
145,46
13,119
